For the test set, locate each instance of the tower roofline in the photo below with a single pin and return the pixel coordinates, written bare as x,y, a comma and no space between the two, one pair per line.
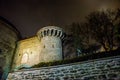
10,26
51,27
51,31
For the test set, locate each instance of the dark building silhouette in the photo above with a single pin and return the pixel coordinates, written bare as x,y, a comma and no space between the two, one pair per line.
8,37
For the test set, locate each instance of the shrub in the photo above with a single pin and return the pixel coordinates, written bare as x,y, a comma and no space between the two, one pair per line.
78,59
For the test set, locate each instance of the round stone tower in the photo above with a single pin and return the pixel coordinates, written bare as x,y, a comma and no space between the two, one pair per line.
51,43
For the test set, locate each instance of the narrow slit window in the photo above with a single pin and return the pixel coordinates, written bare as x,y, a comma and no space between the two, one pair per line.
44,46
53,46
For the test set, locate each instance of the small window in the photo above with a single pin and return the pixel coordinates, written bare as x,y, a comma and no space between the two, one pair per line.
53,46
44,46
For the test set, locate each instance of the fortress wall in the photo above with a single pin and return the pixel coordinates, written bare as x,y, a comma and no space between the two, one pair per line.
46,46
100,69
51,49
27,52
51,43
35,51
8,38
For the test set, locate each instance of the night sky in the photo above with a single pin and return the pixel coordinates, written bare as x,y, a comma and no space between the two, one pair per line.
30,15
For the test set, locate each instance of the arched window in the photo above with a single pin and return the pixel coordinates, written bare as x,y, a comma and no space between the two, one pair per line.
24,58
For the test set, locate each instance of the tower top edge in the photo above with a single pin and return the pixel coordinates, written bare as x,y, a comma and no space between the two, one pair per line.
51,31
51,27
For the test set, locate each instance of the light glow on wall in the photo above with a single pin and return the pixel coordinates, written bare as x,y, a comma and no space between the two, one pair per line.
24,58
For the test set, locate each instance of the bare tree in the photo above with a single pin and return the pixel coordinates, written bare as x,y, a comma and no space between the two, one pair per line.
102,27
81,35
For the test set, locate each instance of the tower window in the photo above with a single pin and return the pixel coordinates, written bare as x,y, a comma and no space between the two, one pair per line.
53,46
44,46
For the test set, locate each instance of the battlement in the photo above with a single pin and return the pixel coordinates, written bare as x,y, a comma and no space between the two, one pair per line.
51,31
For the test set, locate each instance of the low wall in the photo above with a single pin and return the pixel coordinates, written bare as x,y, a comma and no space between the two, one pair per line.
100,69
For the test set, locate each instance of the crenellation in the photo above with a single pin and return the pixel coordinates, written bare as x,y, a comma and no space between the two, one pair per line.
52,31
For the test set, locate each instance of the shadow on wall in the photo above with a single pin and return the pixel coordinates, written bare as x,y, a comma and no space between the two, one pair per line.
1,72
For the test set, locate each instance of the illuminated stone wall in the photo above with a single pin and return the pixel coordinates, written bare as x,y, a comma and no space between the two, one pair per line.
8,38
51,43
101,69
27,52
46,46
51,49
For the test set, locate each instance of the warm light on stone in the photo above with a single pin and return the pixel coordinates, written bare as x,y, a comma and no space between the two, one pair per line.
45,47
24,58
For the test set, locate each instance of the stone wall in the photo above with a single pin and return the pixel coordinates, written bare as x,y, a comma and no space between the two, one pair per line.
46,46
8,38
27,52
101,69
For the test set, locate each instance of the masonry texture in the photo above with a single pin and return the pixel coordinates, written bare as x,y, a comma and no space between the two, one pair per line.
46,46
29,47
8,38
101,69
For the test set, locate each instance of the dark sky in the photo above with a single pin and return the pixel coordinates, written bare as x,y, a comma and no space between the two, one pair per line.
28,16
